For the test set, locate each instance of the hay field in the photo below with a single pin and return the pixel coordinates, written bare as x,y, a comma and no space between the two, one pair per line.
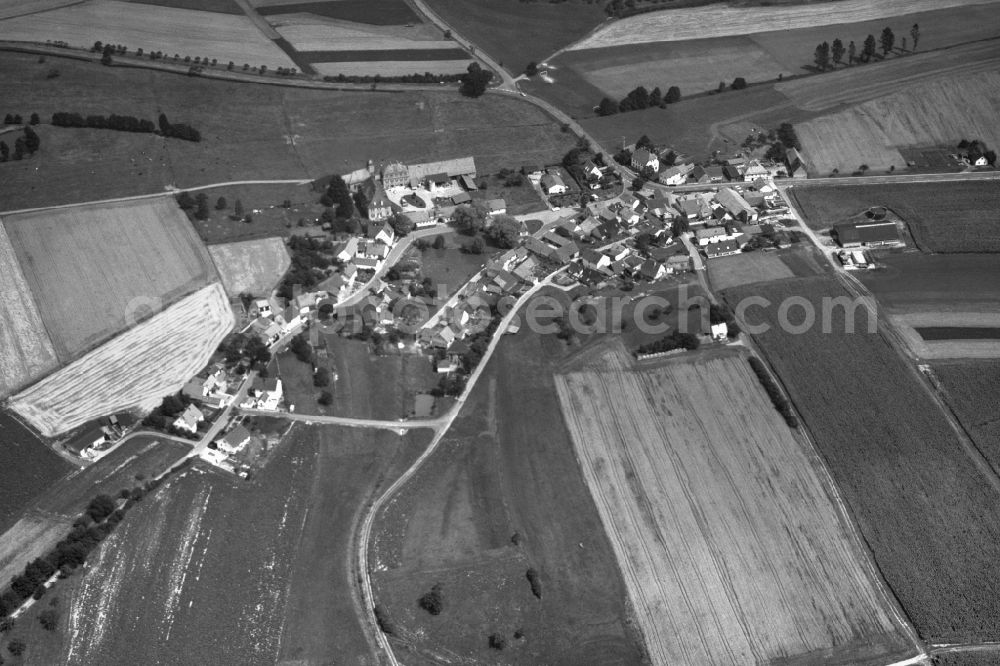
135,370
392,67
252,267
727,559
934,112
26,351
722,20
95,270
183,31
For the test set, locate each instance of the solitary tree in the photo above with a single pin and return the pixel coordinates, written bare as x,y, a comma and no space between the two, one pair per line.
888,40
868,50
49,618
35,119
531,69
504,232
915,34
202,212
478,245
822,56
739,83
4,151
238,209
607,107
220,204
837,51
475,80
852,52
655,97
673,95
439,242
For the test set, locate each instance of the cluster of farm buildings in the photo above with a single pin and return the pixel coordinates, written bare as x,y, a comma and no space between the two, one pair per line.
735,169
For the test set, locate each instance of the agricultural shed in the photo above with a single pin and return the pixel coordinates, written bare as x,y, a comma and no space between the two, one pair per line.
850,234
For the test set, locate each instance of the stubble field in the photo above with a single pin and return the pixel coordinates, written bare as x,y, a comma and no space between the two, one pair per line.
935,112
26,351
135,369
721,20
682,463
927,512
225,37
245,572
957,217
506,468
251,267
97,270
249,131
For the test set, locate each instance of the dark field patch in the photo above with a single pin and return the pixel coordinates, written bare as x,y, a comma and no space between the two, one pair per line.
912,281
952,217
217,6
972,389
958,333
27,468
378,12
387,54
930,517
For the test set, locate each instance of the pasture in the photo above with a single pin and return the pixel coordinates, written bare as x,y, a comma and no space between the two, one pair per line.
939,111
135,369
210,560
722,20
250,132
96,270
746,268
681,462
506,467
929,515
251,267
972,389
956,217
432,52
225,37
26,352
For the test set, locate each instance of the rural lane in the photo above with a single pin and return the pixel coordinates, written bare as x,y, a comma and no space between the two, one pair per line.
396,426
364,536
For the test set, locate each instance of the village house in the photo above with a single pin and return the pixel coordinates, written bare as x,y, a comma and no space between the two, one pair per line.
678,263
189,419
643,159
395,174
697,176
234,441
676,175
553,184
736,205
796,165
722,249
651,270
461,168
262,308
708,235
496,207
379,206
347,251
594,259
754,170
591,171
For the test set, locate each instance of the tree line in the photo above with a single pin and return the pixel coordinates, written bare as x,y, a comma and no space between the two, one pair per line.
127,124
829,55
778,398
639,98
426,77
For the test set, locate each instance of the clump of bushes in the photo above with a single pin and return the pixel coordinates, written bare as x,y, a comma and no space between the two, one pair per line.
535,581
432,601
781,403
675,340
384,623
497,641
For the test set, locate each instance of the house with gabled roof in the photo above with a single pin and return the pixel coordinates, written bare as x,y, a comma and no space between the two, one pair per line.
736,205
652,270
552,184
189,419
796,165
234,441
642,159
754,170
676,175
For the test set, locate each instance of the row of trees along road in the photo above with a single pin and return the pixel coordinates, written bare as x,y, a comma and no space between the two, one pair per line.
827,55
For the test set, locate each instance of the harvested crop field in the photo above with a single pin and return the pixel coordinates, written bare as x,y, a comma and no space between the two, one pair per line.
929,112
135,369
858,84
11,8
187,32
948,332
681,461
722,21
251,267
955,217
930,515
96,270
307,37
506,467
262,567
250,132
220,6
26,351
374,12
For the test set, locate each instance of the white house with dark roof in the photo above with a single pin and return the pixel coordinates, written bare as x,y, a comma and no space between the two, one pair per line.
642,159
553,184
